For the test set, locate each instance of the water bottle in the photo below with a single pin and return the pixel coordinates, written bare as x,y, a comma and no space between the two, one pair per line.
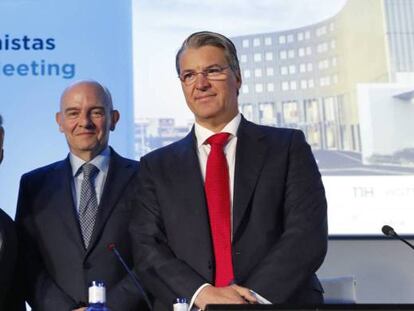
180,304
97,297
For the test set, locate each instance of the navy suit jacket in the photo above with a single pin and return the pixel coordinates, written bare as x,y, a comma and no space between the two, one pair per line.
57,267
10,294
279,219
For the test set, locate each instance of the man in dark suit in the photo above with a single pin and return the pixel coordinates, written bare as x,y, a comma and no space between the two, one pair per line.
235,212
10,292
69,211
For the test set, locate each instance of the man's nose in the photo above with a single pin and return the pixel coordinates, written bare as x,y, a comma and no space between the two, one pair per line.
202,83
85,120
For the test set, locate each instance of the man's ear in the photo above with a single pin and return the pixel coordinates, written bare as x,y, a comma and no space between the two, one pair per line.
114,119
58,118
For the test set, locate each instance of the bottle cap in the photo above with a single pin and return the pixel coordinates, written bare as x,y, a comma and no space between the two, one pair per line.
97,293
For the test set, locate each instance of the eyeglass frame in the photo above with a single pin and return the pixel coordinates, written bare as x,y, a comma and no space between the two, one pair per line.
205,73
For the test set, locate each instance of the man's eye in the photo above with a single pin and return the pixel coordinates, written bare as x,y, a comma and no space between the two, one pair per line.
72,114
188,76
97,113
213,70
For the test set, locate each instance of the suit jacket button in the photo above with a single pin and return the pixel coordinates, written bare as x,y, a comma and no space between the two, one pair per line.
86,265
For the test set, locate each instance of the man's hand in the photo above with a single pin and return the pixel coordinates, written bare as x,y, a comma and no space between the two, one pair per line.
80,309
233,294
245,293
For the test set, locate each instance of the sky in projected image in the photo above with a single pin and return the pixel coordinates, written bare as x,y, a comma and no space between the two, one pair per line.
160,26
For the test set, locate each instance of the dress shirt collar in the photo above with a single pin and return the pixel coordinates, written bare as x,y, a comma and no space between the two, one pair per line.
101,161
202,133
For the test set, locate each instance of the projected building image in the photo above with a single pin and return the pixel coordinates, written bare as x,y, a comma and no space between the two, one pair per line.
323,78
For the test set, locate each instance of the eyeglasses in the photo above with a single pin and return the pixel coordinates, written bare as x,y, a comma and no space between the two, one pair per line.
212,73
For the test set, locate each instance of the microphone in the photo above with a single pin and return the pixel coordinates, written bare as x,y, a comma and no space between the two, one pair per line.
390,232
134,278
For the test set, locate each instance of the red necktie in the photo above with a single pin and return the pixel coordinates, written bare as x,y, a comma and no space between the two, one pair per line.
218,201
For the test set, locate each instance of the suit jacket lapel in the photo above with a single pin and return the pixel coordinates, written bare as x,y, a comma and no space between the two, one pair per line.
61,196
250,155
119,174
189,181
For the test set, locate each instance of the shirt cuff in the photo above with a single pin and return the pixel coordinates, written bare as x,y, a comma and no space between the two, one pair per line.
260,299
190,307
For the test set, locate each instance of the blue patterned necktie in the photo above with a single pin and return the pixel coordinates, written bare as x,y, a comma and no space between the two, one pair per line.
88,206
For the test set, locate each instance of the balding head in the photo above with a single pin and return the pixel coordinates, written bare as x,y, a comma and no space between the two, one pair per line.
86,116
101,91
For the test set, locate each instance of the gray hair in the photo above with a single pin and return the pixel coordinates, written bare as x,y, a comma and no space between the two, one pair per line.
205,38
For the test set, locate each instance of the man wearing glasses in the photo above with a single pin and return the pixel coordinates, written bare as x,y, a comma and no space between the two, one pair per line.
235,212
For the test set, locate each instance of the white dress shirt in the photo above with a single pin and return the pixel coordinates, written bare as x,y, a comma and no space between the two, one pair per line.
203,150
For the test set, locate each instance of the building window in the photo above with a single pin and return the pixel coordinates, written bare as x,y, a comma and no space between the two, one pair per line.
333,44
333,61
322,47
258,72
300,36
256,42
243,58
325,81
270,87
269,56
268,41
257,57
259,88
269,71
247,73
308,50
303,84
311,84
309,66
245,89
292,69
282,54
285,86
331,27
335,79
302,68
290,38
293,85
301,52
291,53
284,70
245,43
290,112
282,39
321,31
307,35
323,64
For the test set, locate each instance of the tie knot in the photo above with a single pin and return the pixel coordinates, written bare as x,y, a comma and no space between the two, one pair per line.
218,139
89,170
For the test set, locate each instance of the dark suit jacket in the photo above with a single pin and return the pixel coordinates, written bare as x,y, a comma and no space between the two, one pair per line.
279,219
9,286
57,267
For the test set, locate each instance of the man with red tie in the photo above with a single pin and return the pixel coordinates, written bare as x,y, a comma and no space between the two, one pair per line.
235,212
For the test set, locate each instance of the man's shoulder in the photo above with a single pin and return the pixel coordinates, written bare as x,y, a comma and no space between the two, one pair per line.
42,171
167,152
125,161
